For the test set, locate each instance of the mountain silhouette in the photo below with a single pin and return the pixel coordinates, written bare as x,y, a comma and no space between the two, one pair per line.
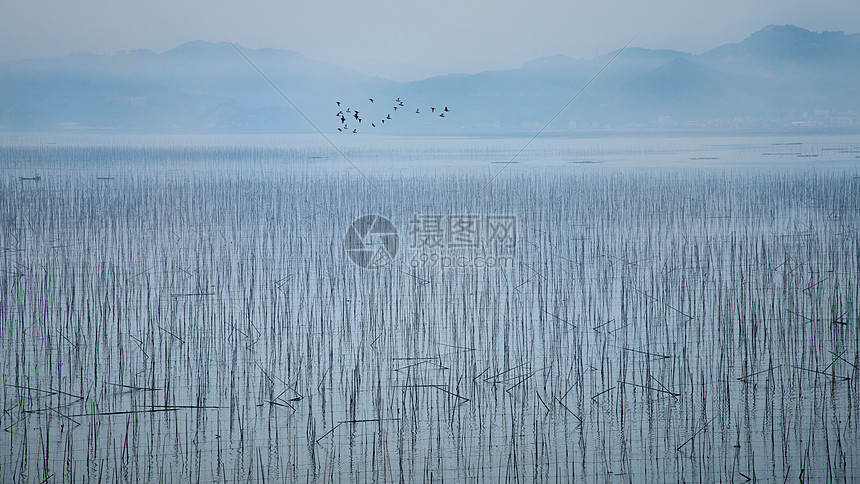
780,77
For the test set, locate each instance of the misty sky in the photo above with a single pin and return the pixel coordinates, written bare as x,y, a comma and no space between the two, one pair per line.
407,40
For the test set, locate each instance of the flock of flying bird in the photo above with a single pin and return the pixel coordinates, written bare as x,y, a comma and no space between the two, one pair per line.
352,115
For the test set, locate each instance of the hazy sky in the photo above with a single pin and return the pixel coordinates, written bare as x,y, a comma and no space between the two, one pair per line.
407,39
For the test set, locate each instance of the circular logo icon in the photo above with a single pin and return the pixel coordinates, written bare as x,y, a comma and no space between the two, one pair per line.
371,241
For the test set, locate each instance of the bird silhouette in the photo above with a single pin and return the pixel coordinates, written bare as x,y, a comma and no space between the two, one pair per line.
398,103
338,103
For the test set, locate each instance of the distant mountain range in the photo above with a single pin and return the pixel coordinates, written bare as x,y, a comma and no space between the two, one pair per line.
781,77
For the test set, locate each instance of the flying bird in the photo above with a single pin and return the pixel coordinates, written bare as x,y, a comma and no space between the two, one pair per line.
338,103
398,103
